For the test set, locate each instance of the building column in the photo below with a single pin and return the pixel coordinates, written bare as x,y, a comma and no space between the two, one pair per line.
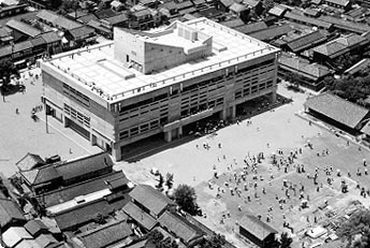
65,122
116,152
168,136
273,97
180,132
233,112
223,115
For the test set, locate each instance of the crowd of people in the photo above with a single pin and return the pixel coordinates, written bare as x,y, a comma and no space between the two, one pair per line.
250,178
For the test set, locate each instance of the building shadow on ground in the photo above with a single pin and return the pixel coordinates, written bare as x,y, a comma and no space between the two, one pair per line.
156,144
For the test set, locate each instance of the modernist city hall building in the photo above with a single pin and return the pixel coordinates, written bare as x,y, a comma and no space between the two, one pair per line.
156,82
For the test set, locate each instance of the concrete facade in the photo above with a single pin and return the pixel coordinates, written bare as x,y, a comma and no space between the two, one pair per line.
115,121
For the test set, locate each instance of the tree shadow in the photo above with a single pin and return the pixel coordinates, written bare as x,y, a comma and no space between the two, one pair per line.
12,89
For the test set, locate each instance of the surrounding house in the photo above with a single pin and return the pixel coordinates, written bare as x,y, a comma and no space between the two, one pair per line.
342,4
344,25
278,11
338,112
140,216
10,214
306,41
331,50
29,162
257,231
272,32
51,18
115,234
309,21
81,36
252,28
150,200
308,75
175,224
117,6
22,31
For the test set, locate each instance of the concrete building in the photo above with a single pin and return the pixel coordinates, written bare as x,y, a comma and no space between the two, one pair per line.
157,82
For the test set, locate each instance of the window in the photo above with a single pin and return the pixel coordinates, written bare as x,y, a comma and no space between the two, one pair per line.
124,134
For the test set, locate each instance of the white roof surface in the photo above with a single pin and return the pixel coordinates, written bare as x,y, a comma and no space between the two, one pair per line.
99,68
14,235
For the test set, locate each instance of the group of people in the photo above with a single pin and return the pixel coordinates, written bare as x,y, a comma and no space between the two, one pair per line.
245,181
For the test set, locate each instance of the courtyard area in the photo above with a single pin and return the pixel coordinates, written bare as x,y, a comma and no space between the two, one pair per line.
261,191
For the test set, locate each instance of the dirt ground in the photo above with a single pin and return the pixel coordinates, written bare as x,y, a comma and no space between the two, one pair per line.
279,129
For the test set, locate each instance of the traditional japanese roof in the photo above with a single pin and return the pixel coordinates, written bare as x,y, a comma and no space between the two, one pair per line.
105,13
227,3
46,240
35,227
345,25
343,3
308,40
29,243
363,64
40,175
84,214
150,198
251,28
139,215
85,165
256,227
338,109
277,10
366,129
15,235
57,20
81,32
118,19
251,3
233,23
303,67
105,235
9,212
237,7
23,28
68,193
272,32
85,19
51,37
340,45
29,161
179,227
307,20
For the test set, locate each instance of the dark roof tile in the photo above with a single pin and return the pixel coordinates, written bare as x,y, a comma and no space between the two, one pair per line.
338,109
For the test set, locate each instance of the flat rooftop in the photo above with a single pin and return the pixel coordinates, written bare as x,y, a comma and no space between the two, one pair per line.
96,69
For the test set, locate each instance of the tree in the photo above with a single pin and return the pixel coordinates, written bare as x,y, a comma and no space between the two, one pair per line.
215,241
156,238
99,218
160,182
169,180
285,240
356,230
185,197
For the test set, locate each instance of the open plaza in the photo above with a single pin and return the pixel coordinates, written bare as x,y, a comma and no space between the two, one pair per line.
303,150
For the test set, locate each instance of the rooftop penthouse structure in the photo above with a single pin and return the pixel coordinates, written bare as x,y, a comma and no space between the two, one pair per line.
158,81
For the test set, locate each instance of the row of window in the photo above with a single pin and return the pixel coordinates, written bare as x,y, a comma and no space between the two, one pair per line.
193,87
202,105
77,116
76,95
141,104
142,128
254,89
